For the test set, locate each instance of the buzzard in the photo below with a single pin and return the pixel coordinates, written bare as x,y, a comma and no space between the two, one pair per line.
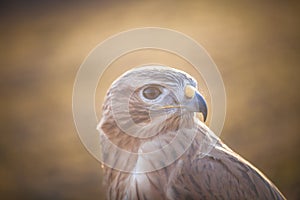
153,109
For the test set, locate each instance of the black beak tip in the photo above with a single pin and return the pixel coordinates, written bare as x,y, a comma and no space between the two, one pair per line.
202,106
204,116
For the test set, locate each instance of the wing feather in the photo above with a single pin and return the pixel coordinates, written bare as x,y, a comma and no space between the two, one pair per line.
220,175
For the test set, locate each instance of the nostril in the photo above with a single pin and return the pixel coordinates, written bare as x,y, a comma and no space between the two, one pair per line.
189,91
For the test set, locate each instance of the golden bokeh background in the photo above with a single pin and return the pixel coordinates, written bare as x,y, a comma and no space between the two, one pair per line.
255,44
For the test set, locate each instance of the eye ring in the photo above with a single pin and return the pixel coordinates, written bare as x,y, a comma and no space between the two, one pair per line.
151,92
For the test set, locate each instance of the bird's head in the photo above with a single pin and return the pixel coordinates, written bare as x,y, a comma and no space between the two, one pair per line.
146,101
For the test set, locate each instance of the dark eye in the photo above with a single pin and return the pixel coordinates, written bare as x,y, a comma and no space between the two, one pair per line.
151,92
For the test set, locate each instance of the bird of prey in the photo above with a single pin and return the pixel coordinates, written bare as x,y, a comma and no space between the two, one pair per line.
145,110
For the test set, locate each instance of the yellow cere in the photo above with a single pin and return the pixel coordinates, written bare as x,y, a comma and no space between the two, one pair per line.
189,91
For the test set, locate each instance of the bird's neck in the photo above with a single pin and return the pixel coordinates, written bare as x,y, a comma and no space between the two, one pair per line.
151,183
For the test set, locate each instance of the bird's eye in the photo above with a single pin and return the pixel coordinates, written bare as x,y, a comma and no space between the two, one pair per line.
151,92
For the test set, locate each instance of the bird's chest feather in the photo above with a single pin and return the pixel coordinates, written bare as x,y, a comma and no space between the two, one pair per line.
145,186
151,185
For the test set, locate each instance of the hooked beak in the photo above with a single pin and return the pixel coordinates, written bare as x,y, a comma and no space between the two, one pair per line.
195,103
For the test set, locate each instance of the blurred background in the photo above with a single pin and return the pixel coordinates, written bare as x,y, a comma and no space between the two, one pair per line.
255,44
